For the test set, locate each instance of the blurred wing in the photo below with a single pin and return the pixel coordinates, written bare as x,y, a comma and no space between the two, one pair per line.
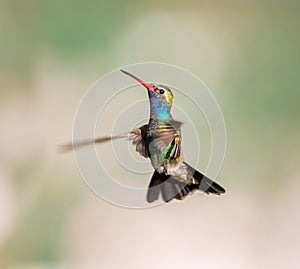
138,138
167,139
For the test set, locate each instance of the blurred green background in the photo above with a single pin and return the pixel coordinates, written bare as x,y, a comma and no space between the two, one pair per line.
247,52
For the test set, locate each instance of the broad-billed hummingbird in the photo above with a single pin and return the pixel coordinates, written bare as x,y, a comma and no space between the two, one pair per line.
160,140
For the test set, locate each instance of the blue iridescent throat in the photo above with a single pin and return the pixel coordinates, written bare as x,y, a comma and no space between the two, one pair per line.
158,109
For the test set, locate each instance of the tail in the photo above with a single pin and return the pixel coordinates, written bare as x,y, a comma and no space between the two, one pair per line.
171,188
70,146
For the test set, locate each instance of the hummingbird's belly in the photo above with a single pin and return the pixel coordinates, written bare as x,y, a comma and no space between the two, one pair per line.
179,172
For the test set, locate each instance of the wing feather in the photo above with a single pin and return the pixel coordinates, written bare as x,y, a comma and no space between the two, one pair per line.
167,138
138,138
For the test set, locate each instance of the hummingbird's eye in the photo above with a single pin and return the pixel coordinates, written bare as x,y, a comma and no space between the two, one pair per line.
161,91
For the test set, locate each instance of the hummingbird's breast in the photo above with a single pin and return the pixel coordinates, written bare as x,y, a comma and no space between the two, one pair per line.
163,141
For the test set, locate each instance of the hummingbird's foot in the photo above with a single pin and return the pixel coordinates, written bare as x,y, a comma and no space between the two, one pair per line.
160,169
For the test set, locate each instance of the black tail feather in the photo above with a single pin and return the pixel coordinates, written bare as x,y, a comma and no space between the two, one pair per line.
154,188
171,188
207,185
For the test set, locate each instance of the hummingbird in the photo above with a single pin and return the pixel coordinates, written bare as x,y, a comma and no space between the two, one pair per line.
160,141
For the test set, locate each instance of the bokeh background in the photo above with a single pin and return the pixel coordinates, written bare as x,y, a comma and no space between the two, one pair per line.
247,52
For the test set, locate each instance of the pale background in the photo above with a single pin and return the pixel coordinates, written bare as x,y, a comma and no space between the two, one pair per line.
247,52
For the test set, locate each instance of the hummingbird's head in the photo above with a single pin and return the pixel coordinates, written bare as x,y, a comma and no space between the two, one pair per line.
162,93
160,96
